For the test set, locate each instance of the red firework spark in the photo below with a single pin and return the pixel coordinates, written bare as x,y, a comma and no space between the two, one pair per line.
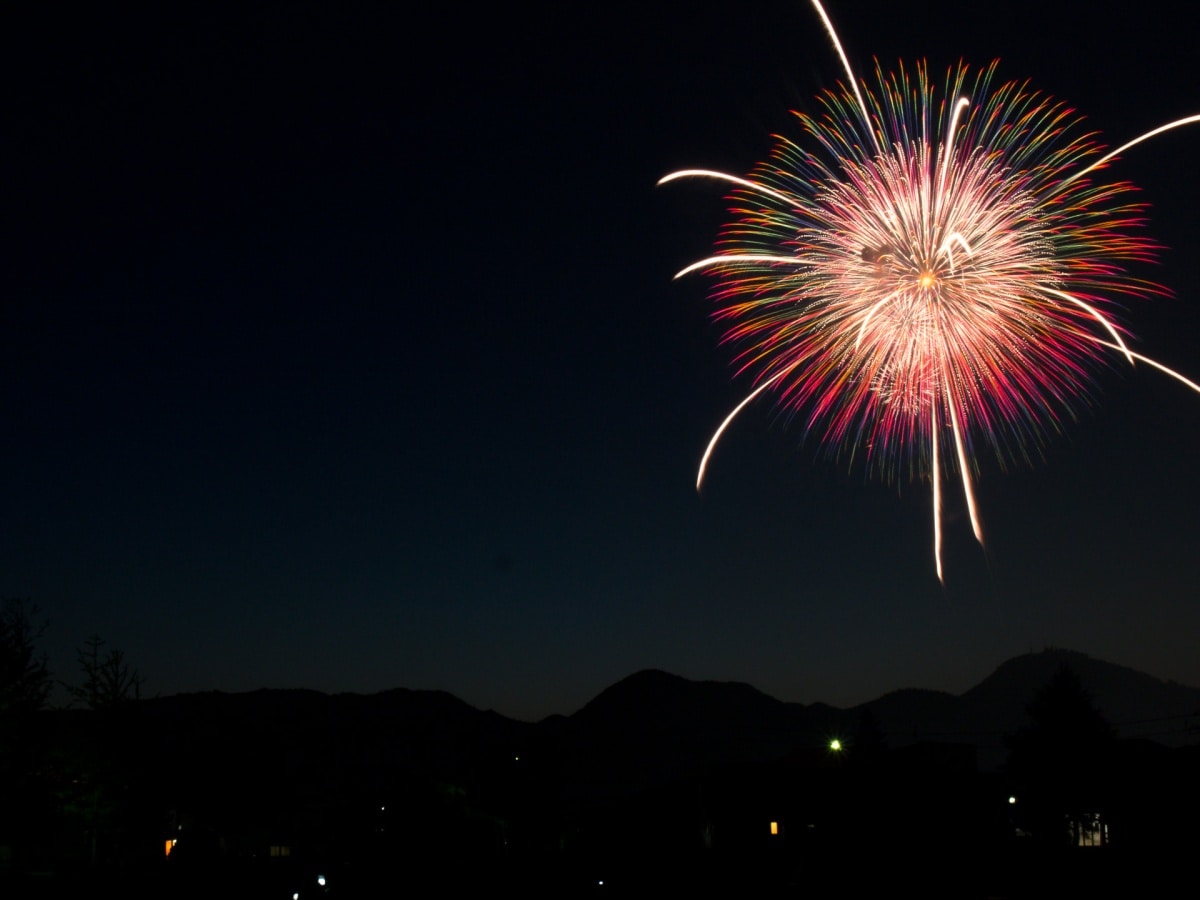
939,271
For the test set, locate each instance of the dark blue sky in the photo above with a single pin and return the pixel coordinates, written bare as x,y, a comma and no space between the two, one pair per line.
340,350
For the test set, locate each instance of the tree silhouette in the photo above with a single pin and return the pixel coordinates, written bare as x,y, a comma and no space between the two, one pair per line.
108,679
102,763
24,688
1061,760
24,678
870,743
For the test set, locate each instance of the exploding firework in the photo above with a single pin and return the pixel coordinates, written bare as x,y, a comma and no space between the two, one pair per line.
935,278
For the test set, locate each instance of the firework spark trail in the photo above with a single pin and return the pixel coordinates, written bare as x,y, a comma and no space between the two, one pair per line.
918,276
712,443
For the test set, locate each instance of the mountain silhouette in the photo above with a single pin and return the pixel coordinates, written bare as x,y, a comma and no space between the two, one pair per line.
649,728
654,769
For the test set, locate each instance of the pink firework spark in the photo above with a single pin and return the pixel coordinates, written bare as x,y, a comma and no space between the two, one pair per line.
934,278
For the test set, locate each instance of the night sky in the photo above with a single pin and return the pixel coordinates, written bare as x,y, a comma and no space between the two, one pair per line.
341,350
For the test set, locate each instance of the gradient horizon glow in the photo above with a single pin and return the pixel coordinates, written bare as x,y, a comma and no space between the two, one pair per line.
933,276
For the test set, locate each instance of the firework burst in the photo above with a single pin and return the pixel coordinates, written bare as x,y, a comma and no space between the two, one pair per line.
935,278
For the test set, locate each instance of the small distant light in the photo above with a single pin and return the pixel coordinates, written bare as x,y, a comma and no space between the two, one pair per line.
321,880
835,745
296,896
1012,800
600,882
516,759
774,828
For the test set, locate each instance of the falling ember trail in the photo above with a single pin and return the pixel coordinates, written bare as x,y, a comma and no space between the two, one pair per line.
938,264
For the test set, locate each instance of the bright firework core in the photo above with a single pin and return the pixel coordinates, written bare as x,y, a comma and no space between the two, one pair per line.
935,278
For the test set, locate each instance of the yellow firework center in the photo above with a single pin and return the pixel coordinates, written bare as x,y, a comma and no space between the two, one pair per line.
933,289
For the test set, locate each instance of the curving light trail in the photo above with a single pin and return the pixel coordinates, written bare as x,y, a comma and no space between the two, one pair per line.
934,269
